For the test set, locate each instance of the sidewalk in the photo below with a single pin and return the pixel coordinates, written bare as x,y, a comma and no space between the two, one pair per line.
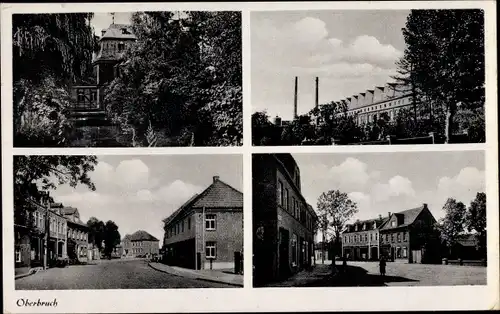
206,274
305,278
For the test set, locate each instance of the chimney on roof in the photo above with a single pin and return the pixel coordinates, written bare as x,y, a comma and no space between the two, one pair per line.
425,205
295,97
380,216
103,31
317,93
389,214
216,178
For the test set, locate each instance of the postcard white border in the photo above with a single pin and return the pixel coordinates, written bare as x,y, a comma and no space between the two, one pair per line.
248,298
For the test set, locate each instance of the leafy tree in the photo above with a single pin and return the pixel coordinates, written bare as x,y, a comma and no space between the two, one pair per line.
334,210
444,60
50,52
111,237
452,225
476,220
96,232
34,176
181,79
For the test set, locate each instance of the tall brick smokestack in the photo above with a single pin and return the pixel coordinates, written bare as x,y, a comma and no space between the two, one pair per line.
317,92
295,98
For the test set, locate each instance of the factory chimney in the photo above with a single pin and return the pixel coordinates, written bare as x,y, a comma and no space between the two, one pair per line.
316,100
295,98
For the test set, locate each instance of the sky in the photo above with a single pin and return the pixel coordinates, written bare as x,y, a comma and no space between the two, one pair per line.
350,51
392,182
103,20
137,192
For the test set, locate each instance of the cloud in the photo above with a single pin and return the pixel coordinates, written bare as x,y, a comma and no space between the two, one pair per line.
351,174
177,192
132,174
396,186
307,44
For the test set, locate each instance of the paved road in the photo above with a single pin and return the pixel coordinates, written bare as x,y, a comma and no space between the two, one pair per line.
105,274
403,274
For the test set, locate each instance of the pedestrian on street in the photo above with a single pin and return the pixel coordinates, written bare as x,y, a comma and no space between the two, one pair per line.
382,266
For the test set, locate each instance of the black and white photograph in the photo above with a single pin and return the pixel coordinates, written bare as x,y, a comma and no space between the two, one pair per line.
367,77
127,79
369,219
128,222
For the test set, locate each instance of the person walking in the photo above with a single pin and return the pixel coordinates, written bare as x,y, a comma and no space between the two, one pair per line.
382,266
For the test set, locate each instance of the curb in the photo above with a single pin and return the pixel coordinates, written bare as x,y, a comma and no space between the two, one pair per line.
196,277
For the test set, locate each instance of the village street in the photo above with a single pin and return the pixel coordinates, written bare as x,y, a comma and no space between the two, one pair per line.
109,274
398,274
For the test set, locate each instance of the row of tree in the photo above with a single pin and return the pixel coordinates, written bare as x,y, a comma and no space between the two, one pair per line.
335,209
443,68
104,236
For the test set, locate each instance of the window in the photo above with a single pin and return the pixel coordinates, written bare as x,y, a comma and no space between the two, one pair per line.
210,222
40,220
210,250
189,223
405,252
393,223
35,217
392,237
366,237
405,236
121,46
294,250
371,236
280,193
294,206
285,200
399,236
398,252
182,225
376,236
18,255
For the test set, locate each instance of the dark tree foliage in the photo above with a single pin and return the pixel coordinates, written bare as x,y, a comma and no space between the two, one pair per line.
50,51
444,63
111,237
476,221
36,175
96,232
181,80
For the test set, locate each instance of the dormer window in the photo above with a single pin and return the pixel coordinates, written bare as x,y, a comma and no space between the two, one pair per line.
393,223
364,226
374,225
356,228
125,31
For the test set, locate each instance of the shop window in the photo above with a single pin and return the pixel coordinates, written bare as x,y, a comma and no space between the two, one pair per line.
210,250
210,222
280,193
285,201
405,252
294,250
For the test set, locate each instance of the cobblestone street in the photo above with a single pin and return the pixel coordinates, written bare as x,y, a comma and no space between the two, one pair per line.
109,274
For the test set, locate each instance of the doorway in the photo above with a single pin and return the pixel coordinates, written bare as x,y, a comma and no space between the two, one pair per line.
284,265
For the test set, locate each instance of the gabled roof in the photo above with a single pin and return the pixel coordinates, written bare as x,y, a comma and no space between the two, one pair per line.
217,195
369,224
409,216
118,31
142,235
126,237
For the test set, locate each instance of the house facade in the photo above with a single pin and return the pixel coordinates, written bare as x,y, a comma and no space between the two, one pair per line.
406,236
30,233
283,222
112,44
77,233
360,240
207,230
139,244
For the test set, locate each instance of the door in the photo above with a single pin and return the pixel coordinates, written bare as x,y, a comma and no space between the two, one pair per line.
417,256
284,265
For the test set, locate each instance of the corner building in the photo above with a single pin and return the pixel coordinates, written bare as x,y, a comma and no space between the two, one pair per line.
207,231
283,222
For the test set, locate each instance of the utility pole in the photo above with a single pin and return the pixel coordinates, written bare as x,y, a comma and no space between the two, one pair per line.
112,17
46,233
